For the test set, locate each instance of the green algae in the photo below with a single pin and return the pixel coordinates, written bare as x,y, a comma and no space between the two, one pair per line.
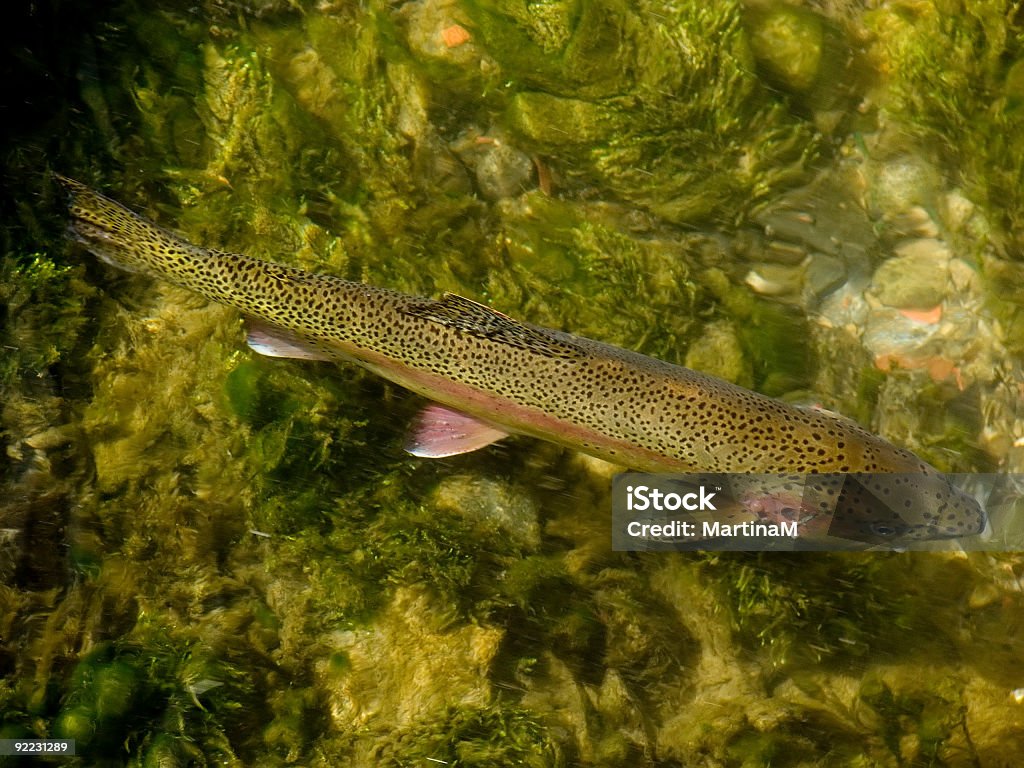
1003,280
928,718
766,331
709,143
784,613
950,77
789,42
495,736
43,314
153,690
571,265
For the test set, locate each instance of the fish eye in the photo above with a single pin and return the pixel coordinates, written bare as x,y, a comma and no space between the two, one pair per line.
886,529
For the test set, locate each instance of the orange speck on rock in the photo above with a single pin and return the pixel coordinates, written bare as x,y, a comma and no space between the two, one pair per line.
939,368
930,316
455,35
887,362
942,369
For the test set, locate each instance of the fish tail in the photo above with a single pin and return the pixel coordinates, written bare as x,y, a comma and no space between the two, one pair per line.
122,238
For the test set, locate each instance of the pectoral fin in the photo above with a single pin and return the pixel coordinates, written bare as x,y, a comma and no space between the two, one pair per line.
437,432
275,342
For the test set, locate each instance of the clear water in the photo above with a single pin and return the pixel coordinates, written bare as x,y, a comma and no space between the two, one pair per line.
213,557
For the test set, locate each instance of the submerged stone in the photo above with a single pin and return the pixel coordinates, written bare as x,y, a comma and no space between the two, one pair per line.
557,120
916,278
789,42
494,503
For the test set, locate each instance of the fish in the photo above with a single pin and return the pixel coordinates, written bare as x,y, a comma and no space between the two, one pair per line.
487,376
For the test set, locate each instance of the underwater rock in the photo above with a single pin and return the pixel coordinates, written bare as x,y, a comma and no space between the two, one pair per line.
823,275
407,664
775,279
436,167
720,353
917,277
814,239
789,42
437,30
900,184
796,276
501,170
889,333
493,503
556,120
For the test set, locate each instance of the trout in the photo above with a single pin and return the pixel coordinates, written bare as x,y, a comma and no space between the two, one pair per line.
488,376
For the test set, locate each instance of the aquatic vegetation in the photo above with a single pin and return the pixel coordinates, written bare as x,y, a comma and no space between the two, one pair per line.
159,686
1004,279
498,735
796,624
950,76
766,330
571,263
709,143
43,313
117,696
790,42
915,724
41,327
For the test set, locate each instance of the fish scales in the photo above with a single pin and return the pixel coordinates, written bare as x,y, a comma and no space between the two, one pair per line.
606,401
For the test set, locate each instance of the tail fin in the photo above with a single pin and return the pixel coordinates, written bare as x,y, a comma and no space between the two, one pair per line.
120,237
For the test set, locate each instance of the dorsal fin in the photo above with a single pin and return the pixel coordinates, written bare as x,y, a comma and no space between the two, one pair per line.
468,316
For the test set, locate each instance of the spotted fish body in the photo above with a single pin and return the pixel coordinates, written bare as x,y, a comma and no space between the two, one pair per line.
511,377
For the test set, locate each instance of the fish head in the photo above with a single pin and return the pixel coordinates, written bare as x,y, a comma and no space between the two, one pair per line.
901,507
884,508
